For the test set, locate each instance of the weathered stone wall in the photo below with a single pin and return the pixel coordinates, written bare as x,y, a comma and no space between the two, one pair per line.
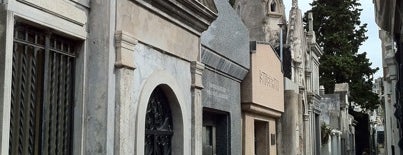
330,107
151,62
225,52
154,30
228,36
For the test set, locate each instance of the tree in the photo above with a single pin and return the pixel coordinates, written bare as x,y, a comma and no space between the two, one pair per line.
339,32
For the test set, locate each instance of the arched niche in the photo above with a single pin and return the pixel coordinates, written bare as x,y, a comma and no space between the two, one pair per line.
168,87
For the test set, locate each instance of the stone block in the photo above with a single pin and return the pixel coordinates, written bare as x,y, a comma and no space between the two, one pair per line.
227,35
124,44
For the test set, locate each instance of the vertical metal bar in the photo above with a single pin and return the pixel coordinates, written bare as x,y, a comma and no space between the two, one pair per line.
22,108
52,105
62,103
69,102
45,103
14,132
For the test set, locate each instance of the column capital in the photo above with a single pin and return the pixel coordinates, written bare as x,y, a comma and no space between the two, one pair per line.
197,69
124,44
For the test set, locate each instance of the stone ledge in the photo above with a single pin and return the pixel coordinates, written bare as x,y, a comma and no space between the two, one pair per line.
258,109
222,64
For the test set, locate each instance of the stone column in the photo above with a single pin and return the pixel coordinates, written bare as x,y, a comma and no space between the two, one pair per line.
289,124
197,107
124,69
6,51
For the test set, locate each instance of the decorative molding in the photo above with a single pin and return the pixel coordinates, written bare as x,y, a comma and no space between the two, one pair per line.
223,64
124,44
193,13
197,72
275,14
258,109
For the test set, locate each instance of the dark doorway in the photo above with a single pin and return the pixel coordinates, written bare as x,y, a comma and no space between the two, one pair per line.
215,132
159,126
262,145
361,132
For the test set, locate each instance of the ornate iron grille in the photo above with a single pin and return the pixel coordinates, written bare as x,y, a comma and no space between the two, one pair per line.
159,127
42,92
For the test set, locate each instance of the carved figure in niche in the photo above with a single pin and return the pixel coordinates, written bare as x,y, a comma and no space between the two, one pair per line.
273,6
301,76
307,61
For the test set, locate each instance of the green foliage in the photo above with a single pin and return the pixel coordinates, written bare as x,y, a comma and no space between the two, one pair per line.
340,33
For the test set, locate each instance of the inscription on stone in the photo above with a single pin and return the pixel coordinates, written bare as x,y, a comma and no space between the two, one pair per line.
268,81
217,91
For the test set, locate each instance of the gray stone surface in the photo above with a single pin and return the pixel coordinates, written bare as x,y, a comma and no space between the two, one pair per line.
253,15
100,95
330,106
289,131
227,35
223,94
5,85
150,61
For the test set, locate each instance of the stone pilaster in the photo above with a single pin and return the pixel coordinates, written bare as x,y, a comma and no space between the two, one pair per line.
6,44
124,69
197,107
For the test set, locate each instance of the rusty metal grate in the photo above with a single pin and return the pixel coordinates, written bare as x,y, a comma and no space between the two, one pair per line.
42,92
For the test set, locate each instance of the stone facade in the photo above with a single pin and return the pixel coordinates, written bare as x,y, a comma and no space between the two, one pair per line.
124,51
390,79
199,76
262,90
304,82
225,53
262,100
388,16
337,124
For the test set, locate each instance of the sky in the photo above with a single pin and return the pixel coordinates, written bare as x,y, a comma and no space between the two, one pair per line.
372,45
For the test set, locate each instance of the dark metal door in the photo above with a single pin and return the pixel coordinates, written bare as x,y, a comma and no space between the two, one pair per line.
159,126
41,92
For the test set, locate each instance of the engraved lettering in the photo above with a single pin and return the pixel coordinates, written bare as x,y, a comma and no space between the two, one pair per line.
268,81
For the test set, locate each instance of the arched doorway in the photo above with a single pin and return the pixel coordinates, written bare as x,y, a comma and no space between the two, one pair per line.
159,127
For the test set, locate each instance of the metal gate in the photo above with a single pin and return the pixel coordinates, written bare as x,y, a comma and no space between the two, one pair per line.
159,126
42,92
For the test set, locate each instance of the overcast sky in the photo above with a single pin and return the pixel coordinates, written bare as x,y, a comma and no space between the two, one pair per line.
372,45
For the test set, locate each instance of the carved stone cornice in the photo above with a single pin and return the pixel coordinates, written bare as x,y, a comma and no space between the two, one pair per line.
197,14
